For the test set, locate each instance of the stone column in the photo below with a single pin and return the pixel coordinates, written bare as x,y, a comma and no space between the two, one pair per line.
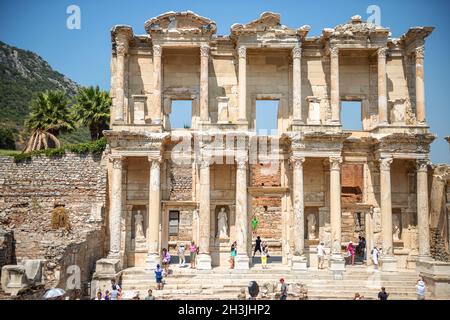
382,89
242,51
157,84
204,258
337,263
204,61
297,83
334,86
388,261
119,100
154,212
420,86
116,207
422,210
299,262
335,204
242,260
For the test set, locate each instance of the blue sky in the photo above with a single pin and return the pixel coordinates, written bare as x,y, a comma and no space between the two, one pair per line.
83,55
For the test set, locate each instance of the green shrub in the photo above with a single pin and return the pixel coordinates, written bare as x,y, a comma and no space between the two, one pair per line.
95,147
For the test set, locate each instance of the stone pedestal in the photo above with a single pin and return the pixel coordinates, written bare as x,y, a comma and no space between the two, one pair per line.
241,262
151,262
204,262
299,263
337,266
436,275
388,263
105,270
13,279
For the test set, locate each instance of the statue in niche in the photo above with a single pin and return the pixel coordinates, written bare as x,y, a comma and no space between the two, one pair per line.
396,227
222,224
139,227
311,226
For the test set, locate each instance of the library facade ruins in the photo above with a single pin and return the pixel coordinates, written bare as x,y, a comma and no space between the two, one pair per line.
310,181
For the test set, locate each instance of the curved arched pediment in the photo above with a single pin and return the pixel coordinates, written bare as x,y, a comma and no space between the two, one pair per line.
182,22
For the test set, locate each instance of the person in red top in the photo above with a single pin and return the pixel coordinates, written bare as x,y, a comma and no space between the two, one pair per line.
351,251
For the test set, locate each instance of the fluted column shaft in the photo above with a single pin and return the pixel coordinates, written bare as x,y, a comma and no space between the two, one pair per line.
116,207
334,85
423,210
241,207
154,206
297,83
157,82
204,61
420,85
386,206
335,203
382,89
205,211
242,52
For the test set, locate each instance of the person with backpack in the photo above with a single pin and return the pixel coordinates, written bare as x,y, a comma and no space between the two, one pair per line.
257,245
420,289
159,277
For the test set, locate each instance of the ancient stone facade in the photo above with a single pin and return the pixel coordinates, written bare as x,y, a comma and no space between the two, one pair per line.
310,182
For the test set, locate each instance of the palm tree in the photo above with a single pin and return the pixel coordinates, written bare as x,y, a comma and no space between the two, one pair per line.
49,116
92,109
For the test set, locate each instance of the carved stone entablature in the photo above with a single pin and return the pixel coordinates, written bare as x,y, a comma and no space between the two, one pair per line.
415,38
405,143
314,197
186,22
121,36
317,143
126,140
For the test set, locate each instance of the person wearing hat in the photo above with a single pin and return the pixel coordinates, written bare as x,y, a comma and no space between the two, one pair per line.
283,293
181,249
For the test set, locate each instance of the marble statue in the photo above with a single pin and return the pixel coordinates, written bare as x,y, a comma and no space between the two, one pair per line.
396,228
311,226
222,224
138,222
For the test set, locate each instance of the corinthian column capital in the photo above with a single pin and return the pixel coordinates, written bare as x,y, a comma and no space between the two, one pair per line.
117,161
242,51
297,52
381,52
420,52
335,163
334,52
204,50
297,162
157,50
385,163
422,165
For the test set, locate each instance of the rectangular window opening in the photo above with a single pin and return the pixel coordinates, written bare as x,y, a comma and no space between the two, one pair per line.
181,115
267,117
351,115
174,221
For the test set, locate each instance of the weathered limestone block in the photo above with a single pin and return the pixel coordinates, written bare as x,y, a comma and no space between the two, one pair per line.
105,270
222,109
14,279
436,275
33,270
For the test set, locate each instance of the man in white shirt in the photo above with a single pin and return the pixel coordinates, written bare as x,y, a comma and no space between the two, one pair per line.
320,255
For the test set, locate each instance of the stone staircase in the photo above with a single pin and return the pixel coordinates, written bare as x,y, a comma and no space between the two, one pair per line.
221,283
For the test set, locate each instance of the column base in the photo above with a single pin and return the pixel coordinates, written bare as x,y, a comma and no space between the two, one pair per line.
337,266
204,262
151,261
106,269
388,263
241,262
299,263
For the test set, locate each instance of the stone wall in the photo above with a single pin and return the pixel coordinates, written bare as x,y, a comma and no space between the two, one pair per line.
180,183
268,211
29,191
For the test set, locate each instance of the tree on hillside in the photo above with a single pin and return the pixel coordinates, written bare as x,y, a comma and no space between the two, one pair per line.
49,117
92,109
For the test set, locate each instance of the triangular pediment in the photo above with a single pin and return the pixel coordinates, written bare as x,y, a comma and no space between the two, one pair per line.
181,22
